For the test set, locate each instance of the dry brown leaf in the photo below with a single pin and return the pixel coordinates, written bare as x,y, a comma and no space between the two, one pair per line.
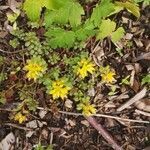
136,98
7,142
143,104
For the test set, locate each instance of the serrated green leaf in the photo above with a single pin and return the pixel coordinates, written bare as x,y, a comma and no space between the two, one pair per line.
70,12
56,16
82,34
60,38
49,18
106,28
101,11
75,12
117,35
33,9
130,6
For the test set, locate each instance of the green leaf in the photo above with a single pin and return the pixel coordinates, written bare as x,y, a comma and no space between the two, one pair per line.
130,6
117,35
82,34
75,12
49,4
70,12
33,9
60,38
146,79
101,11
85,31
106,28
54,4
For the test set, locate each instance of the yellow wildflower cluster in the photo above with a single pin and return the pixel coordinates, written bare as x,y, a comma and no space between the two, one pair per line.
87,108
20,117
36,66
59,89
107,74
85,66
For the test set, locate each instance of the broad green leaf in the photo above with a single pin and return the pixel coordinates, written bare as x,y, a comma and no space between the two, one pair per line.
70,12
49,4
56,16
106,28
130,6
101,11
49,18
117,9
54,4
33,9
117,35
82,34
75,12
60,38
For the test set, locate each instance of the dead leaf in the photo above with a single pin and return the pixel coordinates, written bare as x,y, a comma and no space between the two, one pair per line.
44,134
13,5
68,103
3,34
85,122
42,113
138,42
136,85
32,124
9,95
136,98
143,104
7,142
145,56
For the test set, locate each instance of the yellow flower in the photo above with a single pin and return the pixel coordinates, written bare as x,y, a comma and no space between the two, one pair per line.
107,74
85,66
59,89
20,117
87,109
36,66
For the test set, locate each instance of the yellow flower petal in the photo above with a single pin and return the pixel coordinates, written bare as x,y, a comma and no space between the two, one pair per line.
107,74
59,89
20,117
85,67
36,66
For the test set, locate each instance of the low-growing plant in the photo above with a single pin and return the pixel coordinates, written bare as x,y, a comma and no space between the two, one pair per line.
59,60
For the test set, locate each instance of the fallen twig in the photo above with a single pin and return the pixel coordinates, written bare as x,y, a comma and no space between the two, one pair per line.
142,112
95,115
8,52
105,116
99,115
103,132
18,127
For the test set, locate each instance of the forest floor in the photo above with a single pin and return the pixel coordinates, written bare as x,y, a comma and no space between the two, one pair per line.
54,125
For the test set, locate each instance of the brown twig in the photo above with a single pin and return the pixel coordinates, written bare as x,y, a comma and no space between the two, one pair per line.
14,52
105,116
18,127
103,132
